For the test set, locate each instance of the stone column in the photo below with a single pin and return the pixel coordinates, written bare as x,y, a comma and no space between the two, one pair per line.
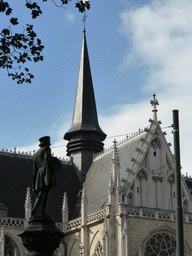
2,241
124,237
105,239
84,238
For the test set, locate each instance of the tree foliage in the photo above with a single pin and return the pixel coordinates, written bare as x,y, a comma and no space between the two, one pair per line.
18,48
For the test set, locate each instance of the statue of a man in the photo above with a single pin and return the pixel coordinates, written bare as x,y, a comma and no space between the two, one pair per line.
43,174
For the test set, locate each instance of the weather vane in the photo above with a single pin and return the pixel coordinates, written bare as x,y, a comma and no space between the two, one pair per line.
84,19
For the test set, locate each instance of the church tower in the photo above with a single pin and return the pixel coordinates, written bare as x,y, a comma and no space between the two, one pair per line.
85,135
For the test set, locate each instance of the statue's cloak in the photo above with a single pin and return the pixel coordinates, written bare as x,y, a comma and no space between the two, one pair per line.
43,169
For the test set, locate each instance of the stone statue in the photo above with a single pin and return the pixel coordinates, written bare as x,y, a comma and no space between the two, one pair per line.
43,174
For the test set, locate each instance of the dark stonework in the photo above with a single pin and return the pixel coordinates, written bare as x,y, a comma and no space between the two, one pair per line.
41,237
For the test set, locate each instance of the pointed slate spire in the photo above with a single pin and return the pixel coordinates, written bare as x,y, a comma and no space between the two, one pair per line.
85,133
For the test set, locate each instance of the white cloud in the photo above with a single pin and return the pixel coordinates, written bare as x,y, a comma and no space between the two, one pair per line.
70,17
161,40
161,35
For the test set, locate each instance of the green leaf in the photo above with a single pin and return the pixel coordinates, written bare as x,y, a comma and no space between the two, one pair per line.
9,11
6,32
14,21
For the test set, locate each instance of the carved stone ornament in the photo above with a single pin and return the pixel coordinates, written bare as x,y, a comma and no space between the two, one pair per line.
141,175
161,244
156,144
157,178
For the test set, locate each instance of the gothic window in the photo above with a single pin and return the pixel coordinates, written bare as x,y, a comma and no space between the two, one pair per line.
161,244
130,199
156,144
10,247
185,206
98,250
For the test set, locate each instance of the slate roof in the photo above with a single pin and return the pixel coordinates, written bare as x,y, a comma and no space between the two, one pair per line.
97,179
16,176
85,112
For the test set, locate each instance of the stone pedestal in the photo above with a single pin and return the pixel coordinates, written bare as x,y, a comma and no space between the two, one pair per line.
41,237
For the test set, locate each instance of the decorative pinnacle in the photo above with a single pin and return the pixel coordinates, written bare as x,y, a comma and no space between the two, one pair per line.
115,158
2,232
110,189
84,19
83,195
28,198
154,103
118,185
65,203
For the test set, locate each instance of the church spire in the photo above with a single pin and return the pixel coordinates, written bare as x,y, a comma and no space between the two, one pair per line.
85,133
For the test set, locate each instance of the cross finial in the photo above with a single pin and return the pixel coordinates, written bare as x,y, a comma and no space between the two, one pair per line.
154,103
84,19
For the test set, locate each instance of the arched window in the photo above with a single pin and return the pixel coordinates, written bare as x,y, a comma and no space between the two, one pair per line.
10,247
130,199
185,206
161,244
98,250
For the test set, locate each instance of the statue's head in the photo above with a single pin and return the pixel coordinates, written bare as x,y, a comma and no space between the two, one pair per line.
44,141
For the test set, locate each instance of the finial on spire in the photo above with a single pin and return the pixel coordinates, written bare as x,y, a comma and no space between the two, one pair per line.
154,103
83,20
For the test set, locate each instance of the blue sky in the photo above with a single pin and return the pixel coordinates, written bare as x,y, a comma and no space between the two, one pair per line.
135,49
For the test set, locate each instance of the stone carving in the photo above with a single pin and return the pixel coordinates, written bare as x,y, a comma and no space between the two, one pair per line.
156,144
98,250
161,244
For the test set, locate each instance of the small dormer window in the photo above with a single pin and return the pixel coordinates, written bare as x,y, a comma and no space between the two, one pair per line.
154,153
138,190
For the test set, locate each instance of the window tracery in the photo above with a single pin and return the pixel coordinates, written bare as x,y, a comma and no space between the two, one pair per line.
10,247
98,250
156,144
161,244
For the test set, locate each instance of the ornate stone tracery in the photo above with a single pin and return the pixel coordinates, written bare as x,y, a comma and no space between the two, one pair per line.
156,144
161,244
10,247
98,250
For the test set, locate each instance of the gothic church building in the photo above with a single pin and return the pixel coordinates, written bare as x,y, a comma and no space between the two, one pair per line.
114,202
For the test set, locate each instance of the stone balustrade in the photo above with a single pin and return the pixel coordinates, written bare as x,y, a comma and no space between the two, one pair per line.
130,211
96,216
156,214
12,222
